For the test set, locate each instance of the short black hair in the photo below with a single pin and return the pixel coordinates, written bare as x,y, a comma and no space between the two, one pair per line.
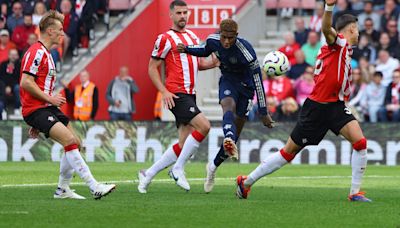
345,20
378,73
368,19
176,3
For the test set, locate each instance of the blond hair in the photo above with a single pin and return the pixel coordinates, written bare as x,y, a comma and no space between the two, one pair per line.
49,19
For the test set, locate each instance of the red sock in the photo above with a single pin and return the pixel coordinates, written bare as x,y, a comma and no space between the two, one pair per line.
288,157
70,147
177,149
198,136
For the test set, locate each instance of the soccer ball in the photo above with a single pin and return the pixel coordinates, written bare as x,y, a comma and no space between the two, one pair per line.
275,63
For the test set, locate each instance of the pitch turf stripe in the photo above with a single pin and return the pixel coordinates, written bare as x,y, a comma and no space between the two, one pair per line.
194,179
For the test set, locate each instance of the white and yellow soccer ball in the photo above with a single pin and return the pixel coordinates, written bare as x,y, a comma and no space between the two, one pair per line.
275,63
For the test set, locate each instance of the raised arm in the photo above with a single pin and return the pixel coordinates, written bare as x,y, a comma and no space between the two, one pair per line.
202,50
208,63
329,32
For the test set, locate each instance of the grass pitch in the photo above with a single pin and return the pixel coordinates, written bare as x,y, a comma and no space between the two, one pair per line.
295,196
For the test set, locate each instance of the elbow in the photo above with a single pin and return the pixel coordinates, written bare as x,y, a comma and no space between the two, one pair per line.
24,83
326,31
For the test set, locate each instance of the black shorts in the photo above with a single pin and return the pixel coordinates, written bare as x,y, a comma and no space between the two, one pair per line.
316,119
185,108
44,119
241,94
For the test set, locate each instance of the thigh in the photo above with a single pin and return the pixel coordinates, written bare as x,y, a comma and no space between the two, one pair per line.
227,89
185,109
339,116
62,134
44,119
311,126
352,131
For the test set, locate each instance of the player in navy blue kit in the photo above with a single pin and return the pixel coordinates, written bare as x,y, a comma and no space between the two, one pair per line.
241,76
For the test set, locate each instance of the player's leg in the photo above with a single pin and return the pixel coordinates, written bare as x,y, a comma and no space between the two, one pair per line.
201,127
228,97
63,190
66,137
353,133
221,155
167,159
243,107
211,167
309,130
229,128
269,165
45,120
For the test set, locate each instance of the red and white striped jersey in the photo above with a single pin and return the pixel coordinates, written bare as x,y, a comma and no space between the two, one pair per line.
38,63
181,68
332,73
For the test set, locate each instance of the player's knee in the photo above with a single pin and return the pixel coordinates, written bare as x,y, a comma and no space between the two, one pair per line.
205,128
70,140
360,144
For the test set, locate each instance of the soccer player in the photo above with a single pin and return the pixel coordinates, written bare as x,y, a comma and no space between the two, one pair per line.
324,109
40,108
178,95
241,76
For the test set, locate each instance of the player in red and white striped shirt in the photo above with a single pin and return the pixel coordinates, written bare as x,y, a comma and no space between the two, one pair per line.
324,109
40,108
178,95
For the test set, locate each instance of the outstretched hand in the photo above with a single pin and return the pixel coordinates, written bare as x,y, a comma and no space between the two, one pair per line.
330,2
267,121
181,48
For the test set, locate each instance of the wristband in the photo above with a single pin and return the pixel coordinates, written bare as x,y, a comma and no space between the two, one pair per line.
329,7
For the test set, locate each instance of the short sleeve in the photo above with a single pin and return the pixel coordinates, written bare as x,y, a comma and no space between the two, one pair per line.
32,61
161,47
340,40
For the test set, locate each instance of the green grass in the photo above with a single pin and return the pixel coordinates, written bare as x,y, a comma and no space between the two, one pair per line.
284,199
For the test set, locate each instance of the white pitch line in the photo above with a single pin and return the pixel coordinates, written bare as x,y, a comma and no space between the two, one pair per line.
14,212
195,180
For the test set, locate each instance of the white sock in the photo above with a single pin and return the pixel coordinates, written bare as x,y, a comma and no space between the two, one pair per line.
188,149
66,172
358,166
268,166
167,159
212,166
76,161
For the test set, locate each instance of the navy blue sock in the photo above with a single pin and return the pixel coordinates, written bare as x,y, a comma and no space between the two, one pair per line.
228,125
220,157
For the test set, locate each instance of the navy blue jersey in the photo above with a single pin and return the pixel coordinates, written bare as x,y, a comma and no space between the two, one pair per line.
238,63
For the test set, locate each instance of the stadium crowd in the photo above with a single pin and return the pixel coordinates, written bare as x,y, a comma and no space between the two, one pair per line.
19,21
376,70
